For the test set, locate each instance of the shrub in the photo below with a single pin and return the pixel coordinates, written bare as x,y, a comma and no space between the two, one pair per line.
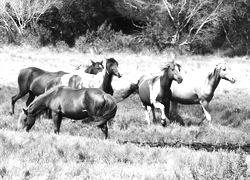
104,39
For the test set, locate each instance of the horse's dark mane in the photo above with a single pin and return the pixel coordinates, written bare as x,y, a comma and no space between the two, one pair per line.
40,98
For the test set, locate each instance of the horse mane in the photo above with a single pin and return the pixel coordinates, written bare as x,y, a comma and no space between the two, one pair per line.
49,92
212,72
169,65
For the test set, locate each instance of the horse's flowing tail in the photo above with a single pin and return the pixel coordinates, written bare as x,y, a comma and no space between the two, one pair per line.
133,88
108,111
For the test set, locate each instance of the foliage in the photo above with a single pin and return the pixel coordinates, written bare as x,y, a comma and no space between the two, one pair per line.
237,27
197,26
104,39
75,18
18,15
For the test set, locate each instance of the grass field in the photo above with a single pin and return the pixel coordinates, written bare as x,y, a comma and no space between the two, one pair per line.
80,152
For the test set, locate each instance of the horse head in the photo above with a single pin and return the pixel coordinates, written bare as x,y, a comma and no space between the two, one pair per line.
97,67
224,72
173,69
112,67
26,120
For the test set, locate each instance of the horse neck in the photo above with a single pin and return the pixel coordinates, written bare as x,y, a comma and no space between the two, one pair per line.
40,104
106,83
212,81
37,107
165,81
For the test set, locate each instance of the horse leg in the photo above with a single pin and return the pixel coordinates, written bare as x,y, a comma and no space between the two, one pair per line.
173,109
15,98
30,98
104,128
57,119
146,112
153,113
204,105
163,115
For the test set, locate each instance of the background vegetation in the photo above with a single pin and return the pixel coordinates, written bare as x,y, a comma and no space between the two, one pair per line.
195,26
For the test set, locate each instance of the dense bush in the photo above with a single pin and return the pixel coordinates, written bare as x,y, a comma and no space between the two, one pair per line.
104,39
196,26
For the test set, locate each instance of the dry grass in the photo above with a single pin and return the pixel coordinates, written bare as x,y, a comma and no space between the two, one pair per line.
79,153
48,156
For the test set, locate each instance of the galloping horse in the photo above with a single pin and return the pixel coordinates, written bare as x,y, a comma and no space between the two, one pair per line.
154,91
71,103
102,80
35,81
190,92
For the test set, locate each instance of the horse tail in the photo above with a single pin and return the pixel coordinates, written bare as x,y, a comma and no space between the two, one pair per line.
133,89
108,111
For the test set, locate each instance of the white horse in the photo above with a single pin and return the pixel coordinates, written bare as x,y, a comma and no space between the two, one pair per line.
191,91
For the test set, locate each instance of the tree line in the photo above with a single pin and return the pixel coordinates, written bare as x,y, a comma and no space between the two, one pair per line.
197,26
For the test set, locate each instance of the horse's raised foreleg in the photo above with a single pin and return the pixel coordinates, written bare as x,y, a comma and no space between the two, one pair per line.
204,105
57,119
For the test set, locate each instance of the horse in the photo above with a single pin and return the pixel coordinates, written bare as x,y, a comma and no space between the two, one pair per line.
102,80
94,68
35,81
71,103
154,90
193,92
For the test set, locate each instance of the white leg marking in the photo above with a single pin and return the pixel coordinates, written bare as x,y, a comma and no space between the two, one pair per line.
208,116
162,108
147,111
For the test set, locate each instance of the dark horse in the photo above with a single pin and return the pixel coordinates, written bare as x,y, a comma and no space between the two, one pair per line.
35,81
94,68
71,103
154,91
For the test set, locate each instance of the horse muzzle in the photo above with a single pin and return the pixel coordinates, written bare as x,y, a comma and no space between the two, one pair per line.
179,80
232,80
118,75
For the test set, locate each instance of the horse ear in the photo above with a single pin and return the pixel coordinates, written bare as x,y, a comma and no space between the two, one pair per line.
101,62
93,63
25,111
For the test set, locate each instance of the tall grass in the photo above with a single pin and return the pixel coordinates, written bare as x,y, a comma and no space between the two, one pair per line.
49,156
